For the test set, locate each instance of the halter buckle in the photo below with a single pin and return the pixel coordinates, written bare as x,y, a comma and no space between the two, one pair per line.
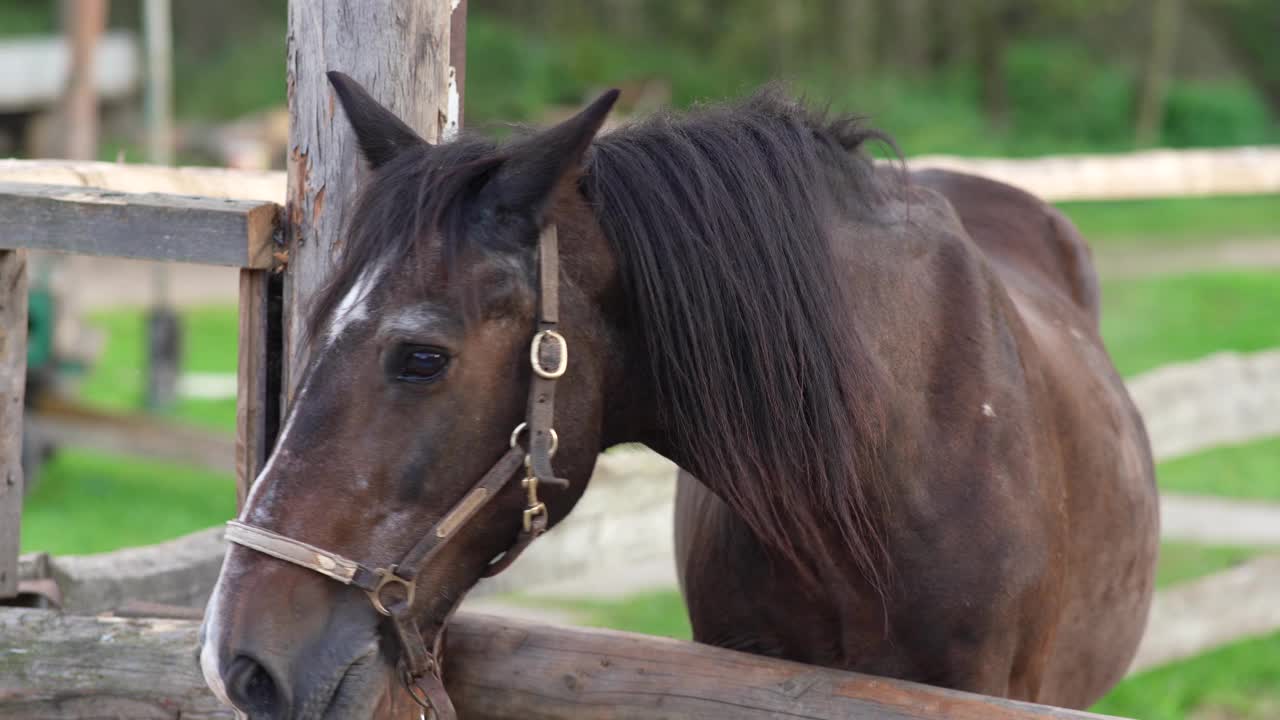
387,576
535,356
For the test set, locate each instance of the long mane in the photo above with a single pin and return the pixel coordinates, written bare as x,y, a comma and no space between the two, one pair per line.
722,222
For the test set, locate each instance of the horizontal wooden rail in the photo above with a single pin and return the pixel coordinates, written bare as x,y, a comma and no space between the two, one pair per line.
151,226
265,185
1113,176
61,666
1145,174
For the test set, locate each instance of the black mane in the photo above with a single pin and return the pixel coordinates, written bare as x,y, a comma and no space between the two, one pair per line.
722,222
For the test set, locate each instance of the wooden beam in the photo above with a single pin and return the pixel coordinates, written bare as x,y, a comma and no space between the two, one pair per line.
1124,176
258,376
399,50
68,667
63,423
1146,174
13,378
497,669
181,571
1215,610
147,226
264,185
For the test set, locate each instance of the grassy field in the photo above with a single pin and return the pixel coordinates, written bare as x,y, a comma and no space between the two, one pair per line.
1154,321
1175,222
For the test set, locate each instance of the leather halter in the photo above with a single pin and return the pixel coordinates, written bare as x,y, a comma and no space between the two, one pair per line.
392,589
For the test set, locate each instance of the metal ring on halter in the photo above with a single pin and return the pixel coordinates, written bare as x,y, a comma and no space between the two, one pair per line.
515,437
388,576
536,361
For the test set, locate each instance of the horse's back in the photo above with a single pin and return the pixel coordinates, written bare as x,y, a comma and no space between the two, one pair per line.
1023,236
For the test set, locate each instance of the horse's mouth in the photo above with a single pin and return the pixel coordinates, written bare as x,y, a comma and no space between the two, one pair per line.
354,694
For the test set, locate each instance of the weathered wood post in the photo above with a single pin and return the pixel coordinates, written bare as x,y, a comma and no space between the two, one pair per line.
13,378
399,50
402,51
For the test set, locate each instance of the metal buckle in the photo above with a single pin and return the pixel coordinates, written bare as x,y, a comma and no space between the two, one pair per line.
515,437
387,576
535,506
535,358
531,512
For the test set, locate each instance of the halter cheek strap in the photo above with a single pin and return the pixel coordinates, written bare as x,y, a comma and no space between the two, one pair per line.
392,589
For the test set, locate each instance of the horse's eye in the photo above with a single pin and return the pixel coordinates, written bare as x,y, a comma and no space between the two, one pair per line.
422,365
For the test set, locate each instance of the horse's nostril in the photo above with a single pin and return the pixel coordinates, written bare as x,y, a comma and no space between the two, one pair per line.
251,688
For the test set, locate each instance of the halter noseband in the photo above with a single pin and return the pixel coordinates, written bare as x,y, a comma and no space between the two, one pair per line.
391,589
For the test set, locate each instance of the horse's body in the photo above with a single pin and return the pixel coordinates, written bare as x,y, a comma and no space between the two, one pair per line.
915,458
1024,529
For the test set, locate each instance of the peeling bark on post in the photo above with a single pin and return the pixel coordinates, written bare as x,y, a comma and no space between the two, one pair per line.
399,50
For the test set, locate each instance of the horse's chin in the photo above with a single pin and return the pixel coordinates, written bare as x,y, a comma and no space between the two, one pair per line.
366,691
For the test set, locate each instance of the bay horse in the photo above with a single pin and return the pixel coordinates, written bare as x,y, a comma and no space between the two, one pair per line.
905,449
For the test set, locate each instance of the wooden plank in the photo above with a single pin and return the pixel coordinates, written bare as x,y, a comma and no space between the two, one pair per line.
147,226
13,378
497,668
258,376
68,667
371,44
264,185
63,423
1146,174
1216,610
181,571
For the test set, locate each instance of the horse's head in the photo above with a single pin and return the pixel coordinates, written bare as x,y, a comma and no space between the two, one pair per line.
420,370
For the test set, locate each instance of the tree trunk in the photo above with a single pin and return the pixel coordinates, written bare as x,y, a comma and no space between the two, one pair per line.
990,36
83,23
1154,81
855,21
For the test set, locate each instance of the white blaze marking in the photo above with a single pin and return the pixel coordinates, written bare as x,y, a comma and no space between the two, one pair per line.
355,304
988,410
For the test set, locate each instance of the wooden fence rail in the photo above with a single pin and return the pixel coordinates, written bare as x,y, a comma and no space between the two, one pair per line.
59,667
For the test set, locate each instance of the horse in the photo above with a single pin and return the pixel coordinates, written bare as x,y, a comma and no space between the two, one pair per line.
905,450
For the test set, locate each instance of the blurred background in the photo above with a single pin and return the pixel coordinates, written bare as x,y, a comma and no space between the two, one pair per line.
1191,285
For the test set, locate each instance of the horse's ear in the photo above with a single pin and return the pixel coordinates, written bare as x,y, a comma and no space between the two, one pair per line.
380,134
537,164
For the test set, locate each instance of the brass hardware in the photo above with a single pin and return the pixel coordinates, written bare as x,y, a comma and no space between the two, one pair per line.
536,361
532,512
515,437
387,576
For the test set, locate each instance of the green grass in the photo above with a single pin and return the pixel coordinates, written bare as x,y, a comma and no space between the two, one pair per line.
1183,561
1250,471
116,381
1173,222
87,502
1239,681
1150,322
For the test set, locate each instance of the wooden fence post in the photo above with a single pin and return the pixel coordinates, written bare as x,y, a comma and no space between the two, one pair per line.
399,50
13,378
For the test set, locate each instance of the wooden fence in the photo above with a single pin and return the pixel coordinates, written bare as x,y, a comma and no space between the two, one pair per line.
279,229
